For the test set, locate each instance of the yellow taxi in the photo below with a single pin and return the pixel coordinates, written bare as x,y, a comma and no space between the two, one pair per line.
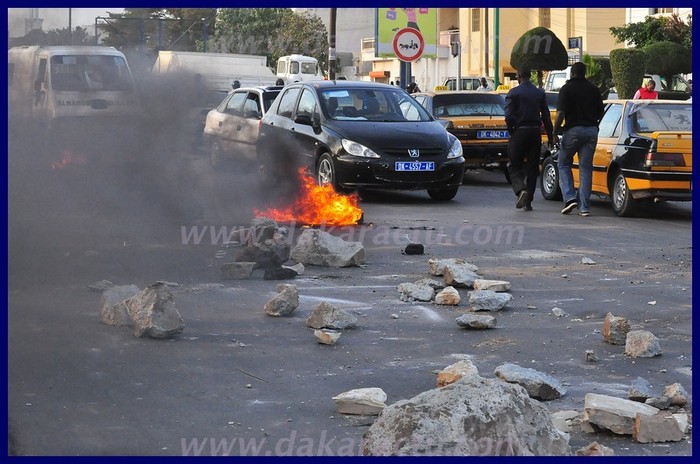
644,154
477,119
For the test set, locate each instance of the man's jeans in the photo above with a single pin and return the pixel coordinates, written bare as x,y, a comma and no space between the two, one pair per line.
581,139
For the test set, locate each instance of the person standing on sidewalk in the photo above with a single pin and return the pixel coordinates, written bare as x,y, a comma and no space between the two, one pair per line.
526,111
580,107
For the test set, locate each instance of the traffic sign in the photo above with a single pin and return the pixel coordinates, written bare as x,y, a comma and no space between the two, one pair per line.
408,44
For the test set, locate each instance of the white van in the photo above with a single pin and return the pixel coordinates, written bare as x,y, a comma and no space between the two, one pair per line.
297,68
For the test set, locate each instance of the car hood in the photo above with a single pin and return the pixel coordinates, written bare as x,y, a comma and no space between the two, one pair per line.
424,134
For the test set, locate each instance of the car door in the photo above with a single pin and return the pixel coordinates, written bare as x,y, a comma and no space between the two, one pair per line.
248,125
307,126
229,120
275,139
609,131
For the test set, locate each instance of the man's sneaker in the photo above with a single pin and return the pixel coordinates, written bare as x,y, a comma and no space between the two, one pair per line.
569,207
584,213
523,199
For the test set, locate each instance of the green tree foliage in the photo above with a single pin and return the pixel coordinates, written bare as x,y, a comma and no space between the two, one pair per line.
153,29
627,66
667,59
78,36
656,29
541,50
598,72
272,32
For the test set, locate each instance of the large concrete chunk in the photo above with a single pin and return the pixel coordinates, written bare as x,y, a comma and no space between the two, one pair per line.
319,248
615,329
154,314
615,414
460,275
495,285
361,401
538,384
437,266
471,417
284,303
447,296
488,300
327,316
658,428
476,321
415,292
113,309
642,344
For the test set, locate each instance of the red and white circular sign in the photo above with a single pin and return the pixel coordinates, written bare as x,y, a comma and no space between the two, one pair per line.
408,44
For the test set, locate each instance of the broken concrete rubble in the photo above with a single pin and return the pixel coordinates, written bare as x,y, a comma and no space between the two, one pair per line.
661,427
284,303
319,248
456,371
414,249
279,273
595,449
565,420
615,414
615,329
659,402
460,275
327,316
538,385
326,337
447,296
640,390
437,266
113,310
415,292
678,395
488,300
237,270
361,401
642,344
476,321
477,417
495,285
154,313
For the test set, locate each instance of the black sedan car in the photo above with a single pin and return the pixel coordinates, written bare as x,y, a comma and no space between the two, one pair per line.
354,135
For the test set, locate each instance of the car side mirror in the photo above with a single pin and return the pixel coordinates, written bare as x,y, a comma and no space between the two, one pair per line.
304,119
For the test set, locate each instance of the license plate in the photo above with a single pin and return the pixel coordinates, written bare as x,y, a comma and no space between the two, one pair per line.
492,134
415,165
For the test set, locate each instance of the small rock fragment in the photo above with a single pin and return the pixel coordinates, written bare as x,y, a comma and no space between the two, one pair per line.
326,337
361,401
414,249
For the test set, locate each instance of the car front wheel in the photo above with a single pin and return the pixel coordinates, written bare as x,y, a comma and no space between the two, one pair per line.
443,194
549,181
622,202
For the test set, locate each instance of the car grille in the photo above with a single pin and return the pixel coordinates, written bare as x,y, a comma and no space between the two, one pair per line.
424,152
415,177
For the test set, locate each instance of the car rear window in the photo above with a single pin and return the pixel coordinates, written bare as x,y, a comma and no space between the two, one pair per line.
476,104
662,117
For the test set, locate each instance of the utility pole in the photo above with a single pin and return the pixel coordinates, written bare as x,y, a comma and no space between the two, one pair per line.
486,42
331,47
70,26
496,70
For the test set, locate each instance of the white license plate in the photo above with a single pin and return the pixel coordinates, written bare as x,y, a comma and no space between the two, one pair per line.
492,134
415,165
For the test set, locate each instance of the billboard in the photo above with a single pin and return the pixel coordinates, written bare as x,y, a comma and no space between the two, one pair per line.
392,20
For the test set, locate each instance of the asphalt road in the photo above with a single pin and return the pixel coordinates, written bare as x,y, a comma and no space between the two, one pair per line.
242,383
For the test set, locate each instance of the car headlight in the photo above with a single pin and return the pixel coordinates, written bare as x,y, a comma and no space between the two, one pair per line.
455,149
357,149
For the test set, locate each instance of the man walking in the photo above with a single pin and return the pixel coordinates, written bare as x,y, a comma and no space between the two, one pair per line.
580,107
526,110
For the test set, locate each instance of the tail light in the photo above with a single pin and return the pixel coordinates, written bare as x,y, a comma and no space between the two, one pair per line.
663,159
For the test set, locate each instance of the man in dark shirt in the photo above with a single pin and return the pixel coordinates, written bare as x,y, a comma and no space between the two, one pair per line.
580,105
526,111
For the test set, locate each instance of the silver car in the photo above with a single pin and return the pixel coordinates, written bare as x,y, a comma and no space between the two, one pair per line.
232,127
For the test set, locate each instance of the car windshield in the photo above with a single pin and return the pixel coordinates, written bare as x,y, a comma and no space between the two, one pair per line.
468,104
372,104
82,73
662,117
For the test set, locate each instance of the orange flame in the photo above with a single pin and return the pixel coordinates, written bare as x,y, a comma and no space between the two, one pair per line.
317,205
68,159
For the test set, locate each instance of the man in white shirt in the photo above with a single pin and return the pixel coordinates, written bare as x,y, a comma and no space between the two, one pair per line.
485,86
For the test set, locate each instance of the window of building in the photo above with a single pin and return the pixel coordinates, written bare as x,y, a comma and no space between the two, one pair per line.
546,17
476,19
